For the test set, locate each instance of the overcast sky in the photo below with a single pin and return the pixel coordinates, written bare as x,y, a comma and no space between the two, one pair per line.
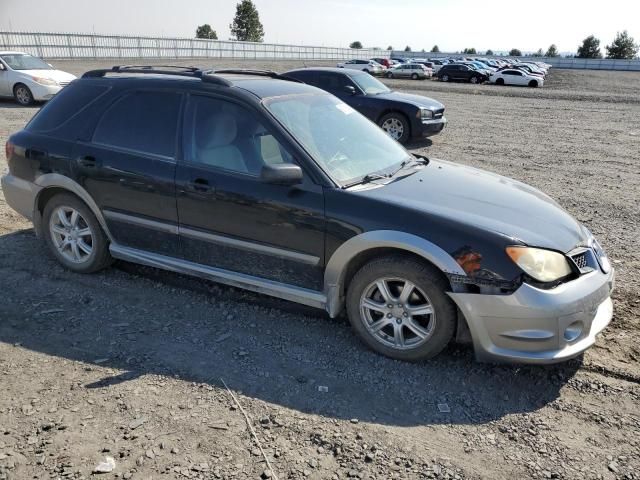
452,24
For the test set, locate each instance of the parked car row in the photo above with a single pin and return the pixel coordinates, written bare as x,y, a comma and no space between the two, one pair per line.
474,70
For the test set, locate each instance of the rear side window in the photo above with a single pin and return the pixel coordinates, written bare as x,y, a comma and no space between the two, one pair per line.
142,121
66,104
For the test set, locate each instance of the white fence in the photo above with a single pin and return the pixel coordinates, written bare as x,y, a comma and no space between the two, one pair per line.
67,46
557,62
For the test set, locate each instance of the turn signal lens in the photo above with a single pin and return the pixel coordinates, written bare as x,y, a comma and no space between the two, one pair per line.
543,265
8,149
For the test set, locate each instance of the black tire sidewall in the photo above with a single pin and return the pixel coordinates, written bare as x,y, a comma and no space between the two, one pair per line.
414,76
427,278
405,123
15,95
100,257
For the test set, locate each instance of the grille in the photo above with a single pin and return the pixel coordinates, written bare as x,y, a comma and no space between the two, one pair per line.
580,260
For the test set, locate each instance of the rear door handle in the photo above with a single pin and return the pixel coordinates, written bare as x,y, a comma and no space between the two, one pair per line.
201,185
88,161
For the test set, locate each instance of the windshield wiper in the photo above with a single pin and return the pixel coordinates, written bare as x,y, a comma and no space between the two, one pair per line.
369,177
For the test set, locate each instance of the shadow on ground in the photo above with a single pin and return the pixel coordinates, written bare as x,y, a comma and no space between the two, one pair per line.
143,321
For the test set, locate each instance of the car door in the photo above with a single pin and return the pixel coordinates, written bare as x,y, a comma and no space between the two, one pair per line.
232,220
519,78
5,88
128,168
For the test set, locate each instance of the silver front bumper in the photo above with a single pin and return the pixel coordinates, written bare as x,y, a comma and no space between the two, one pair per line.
539,326
20,194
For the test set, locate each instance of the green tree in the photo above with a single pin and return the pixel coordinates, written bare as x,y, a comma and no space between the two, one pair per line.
514,52
246,24
205,31
623,46
552,51
355,44
590,48
539,53
489,52
435,49
407,48
389,48
469,51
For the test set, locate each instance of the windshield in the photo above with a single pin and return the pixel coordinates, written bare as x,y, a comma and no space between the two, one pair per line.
21,61
369,84
344,143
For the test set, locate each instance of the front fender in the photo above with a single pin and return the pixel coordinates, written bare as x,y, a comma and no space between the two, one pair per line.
335,272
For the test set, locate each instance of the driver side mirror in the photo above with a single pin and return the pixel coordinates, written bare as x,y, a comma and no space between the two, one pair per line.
281,174
350,89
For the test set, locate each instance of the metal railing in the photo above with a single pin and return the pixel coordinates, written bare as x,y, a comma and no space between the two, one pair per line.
556,62
88,46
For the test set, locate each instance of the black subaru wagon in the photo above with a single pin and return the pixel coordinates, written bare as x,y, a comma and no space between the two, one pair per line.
261,182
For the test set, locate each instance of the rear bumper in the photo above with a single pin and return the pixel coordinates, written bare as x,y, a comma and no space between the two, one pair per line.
539,326
20,194
427,128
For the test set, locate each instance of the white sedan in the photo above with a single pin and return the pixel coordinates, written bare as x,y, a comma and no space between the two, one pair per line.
28,78
516,77
369,66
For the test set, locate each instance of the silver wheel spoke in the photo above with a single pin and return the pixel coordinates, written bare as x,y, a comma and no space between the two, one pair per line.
375,306
379,325
417,329
420,310
84,232
84,247
75,251
59,230
74,218
63,218
398,335
407,290
383,288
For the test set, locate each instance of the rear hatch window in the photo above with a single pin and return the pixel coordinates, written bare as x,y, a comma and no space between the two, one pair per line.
65,105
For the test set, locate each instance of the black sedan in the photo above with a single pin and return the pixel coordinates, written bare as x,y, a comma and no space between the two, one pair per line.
401,115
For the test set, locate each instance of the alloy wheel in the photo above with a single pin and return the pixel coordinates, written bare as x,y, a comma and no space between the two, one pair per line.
397,313
394,128
23,96
71,234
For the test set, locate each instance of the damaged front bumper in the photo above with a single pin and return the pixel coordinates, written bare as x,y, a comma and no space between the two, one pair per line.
539,326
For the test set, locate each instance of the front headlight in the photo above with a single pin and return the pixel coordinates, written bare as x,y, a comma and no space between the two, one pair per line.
46,81
542,265
426,114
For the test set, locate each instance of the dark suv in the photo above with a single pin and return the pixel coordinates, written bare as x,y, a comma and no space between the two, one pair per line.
465,73
403,116
278,187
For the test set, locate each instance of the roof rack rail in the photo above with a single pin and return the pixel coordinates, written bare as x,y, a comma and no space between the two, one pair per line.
259,72
193,72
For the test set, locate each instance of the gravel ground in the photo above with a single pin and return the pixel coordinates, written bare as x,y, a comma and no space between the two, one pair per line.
131,363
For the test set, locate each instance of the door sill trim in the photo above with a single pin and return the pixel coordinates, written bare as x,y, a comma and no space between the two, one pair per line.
272,288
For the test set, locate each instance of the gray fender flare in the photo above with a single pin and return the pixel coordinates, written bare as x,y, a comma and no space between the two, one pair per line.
49,180
334,277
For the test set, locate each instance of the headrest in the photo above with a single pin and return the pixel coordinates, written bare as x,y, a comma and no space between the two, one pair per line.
216,130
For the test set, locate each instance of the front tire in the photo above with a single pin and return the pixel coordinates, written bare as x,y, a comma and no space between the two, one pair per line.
475,79
533,84
74,235
500,81
389,75
414,76
23,95
396,126
445,78
399,308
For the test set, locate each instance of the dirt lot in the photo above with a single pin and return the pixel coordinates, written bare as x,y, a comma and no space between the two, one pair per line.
130,363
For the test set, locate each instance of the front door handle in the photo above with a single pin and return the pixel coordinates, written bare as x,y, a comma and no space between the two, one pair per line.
88,161
200,185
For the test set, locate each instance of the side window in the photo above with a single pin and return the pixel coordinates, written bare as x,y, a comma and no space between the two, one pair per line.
517,74
225,135
141,121
334,82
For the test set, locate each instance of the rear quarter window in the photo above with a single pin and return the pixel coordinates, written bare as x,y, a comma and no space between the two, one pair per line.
65,105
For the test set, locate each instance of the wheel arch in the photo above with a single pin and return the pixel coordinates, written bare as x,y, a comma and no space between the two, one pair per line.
52,184
355,252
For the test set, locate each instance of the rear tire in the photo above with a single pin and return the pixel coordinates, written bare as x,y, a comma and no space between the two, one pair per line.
414,76
419,324
533,84
74,235
445,78
475,79
389,75
23,95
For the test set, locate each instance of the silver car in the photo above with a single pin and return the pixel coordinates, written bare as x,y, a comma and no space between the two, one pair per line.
415,71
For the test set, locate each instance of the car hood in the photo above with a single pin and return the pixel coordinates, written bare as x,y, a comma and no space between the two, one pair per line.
417,100
487,201
57,75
